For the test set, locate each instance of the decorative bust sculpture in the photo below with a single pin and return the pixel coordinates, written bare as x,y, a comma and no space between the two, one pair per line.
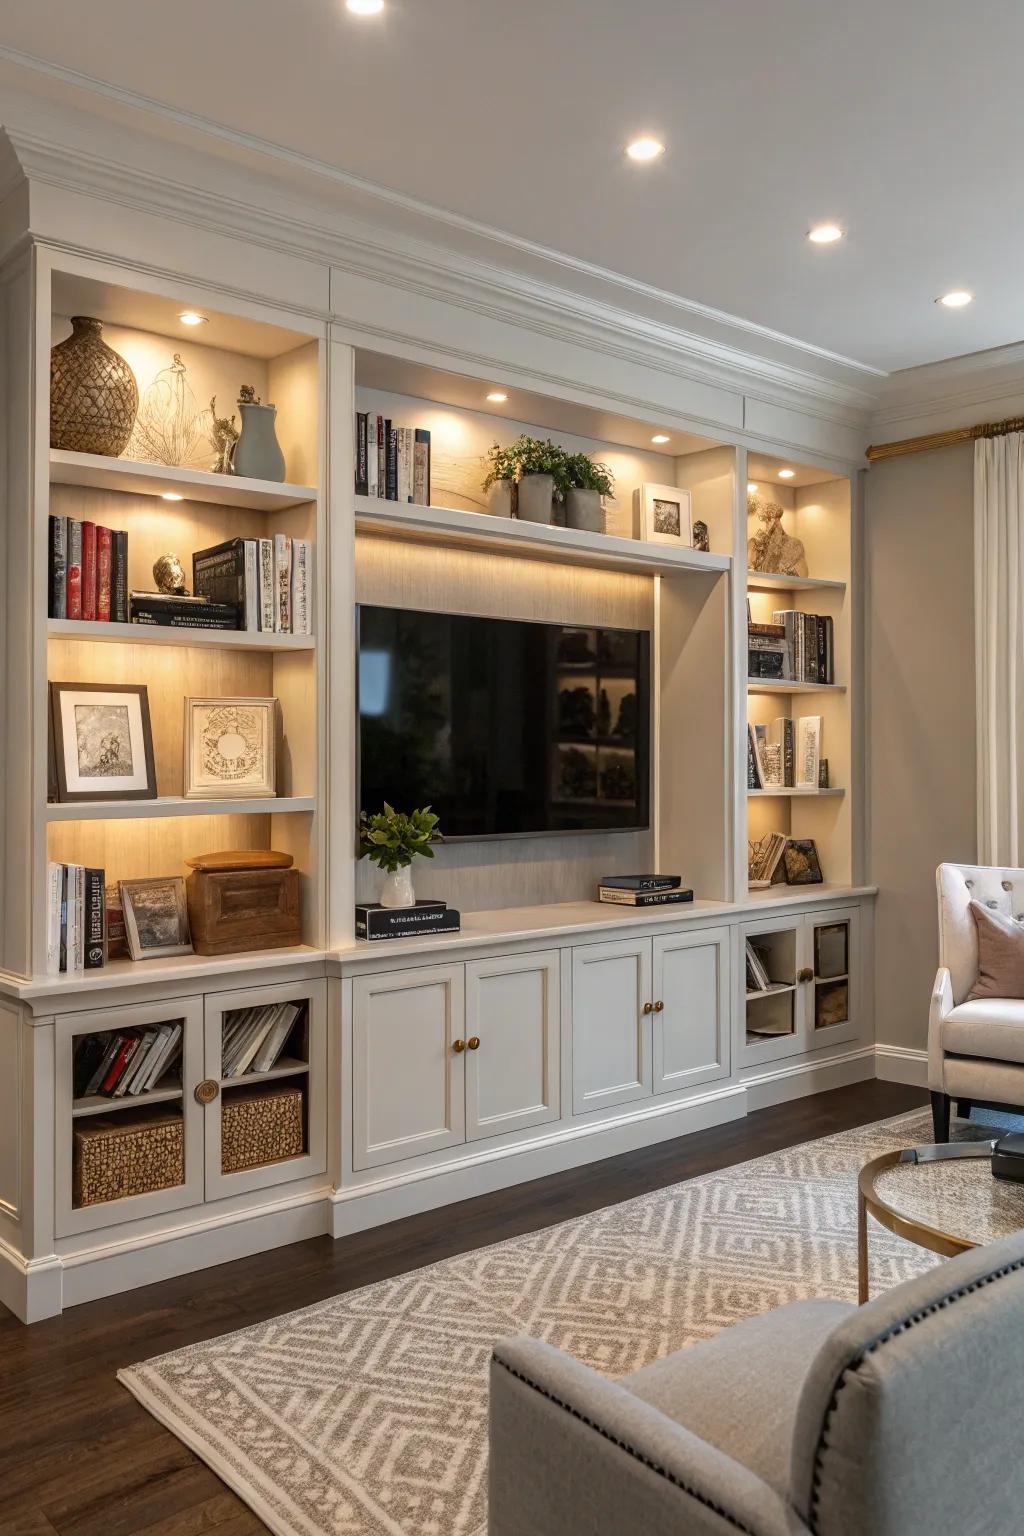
169,575
772,548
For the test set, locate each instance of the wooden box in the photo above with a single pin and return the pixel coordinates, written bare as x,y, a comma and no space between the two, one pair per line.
235,906
115,1156
260,1125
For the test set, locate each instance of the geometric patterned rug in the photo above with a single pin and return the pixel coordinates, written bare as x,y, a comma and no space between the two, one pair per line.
366,1415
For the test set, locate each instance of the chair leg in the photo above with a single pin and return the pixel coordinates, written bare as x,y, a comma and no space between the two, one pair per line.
940,1116
963,1108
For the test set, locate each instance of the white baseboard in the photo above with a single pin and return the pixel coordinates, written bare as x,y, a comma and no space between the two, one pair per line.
777,1085
901,1064
30,1288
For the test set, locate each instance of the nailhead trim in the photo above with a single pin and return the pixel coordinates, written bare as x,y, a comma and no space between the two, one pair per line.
850,1370
630,1450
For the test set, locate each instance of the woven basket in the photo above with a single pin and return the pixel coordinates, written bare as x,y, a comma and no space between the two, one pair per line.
93,394
115,1158
261,1124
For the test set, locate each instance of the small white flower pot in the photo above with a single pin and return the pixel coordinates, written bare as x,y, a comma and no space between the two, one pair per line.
396,889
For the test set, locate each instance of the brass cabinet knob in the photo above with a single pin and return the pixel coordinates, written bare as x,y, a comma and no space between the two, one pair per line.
659,1006
648,1007
806,974
473,1043
458,1045
207,1090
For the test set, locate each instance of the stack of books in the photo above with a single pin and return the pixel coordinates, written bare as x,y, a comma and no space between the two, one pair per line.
768,652
376,922
785,754
125,1063
758,979
177,611
266,584
809,639
392,463
643,890
253,1038
76,918
88,572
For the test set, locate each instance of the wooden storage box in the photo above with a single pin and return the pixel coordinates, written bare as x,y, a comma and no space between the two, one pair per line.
261,1124
234,906
115,1157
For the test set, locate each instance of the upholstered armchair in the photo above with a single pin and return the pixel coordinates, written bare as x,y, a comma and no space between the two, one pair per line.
893,1419
975,1048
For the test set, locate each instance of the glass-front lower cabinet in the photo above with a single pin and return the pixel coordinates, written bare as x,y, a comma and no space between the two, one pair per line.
799,983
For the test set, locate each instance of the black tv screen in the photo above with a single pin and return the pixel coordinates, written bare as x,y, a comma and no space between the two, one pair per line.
506,728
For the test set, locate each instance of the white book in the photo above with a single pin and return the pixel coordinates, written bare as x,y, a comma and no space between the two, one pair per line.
259,1034
147,1040
169,1051
405,445
253,1034
302,586
252,584
275,1041
233,1034
241,1041
282,584
808,751
371,453
135,1079
266,565
54,884
76,918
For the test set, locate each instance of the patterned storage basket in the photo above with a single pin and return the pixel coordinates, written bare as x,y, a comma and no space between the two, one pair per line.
114,1158
261,1124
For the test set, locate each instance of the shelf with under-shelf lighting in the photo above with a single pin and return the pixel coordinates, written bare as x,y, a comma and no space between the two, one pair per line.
793,793
177,805
764,581
777,685
91,469
166,634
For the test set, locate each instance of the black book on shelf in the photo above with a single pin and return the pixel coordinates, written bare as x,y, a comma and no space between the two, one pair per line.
421,468
218,573
391,463
376,922
57,595
643,898
89,1052
641,882
95,925
119,576
181,612
361,461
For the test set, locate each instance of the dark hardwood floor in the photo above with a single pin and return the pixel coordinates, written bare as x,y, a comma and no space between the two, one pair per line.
79,1457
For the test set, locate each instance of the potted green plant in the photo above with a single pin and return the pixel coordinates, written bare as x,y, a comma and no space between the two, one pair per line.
391,840
588,482
500,484
539,470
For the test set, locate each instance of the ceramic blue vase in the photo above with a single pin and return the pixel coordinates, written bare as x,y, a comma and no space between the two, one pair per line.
258,453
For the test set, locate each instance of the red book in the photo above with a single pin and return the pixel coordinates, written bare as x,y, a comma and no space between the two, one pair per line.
104,566
88,570
73,597
126,1051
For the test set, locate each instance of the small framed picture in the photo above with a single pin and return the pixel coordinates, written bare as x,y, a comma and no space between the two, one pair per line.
801,863
102,741
155,917
662,515
230,748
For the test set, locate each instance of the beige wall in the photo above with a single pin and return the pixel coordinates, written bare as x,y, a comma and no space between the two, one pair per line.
920,714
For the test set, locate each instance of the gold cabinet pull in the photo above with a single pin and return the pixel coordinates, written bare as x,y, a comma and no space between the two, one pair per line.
473,1043
207,1091
458,1045
659,1006
648,1007
806,974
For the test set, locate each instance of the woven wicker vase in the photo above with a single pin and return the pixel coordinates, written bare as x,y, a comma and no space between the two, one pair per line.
93,394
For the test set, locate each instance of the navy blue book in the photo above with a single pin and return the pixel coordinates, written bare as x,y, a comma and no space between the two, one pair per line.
641,882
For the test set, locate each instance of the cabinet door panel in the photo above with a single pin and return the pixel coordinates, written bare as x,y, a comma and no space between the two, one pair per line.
512,1007
611,1033
833,994
691,1033
408,1081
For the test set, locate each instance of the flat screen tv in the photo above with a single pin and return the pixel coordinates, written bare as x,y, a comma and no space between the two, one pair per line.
508,729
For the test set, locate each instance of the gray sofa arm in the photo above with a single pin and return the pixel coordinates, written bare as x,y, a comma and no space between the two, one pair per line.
573,1454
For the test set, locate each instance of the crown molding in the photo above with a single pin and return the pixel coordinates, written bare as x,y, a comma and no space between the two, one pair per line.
960,391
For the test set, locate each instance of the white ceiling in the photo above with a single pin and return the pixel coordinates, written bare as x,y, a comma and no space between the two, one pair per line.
900,119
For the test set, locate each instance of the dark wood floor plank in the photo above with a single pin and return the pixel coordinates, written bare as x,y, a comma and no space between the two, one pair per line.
78,1455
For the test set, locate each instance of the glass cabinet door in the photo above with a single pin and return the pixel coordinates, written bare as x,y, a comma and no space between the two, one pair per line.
831,948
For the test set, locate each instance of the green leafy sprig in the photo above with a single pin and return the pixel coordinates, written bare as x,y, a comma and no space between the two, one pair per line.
391,839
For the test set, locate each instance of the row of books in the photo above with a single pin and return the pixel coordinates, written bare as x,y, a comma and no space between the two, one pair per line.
795,647
88,572
392,462
257,584
75,918
765,866
254,1038
758,979
643,890
125,1063
785,754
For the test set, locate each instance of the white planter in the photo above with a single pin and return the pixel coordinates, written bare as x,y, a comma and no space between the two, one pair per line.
536,494
499,499
396,889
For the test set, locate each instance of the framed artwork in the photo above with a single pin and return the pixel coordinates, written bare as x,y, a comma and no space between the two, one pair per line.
801,863
102,741
155,917
229,748
662,515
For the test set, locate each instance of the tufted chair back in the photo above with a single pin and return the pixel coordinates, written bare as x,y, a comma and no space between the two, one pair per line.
959,885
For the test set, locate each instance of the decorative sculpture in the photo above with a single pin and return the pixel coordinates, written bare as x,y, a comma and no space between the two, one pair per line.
772,549
223,435
169,575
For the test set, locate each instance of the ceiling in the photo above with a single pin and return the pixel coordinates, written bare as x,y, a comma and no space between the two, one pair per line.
900,121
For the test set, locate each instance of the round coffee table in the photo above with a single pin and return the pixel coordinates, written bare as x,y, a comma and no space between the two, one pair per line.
942,1198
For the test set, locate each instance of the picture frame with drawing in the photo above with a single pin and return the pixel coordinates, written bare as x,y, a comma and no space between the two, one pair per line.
155,917
229,748
102,742
662,514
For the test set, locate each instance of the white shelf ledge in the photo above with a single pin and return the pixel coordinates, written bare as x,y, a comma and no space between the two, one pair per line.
177,805
287,1068
162,634
761,581
795,794
449,527
99,1104
776,685
193,484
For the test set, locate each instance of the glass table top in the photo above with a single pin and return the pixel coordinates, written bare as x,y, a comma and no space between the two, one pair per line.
957,1195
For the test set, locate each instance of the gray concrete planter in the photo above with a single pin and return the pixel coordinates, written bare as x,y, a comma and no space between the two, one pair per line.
536,499
583,510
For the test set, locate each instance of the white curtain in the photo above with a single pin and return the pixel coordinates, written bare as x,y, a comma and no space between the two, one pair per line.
999,646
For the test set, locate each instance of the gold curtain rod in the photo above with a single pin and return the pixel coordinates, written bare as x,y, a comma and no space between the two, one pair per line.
945,439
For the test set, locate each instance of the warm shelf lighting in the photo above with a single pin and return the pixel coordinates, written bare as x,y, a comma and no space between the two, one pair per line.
364,7
644,150
956,298
825,234
661,437
192,317
171,496
786,474
751,487
497,397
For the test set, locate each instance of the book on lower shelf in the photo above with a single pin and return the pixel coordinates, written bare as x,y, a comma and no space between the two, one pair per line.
376,922
119,1064
88,571
617,896
810,644
76,919
392,462
266,584
254,1038
758,979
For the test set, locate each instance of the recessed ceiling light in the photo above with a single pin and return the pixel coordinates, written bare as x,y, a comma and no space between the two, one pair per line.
825,234
191,317
956,299
751,487
171,496
497,397
364,7
644,150
786,474
661,437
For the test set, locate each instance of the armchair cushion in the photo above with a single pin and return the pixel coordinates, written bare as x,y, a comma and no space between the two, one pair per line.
1000,890
740,1390
1000,954
991,1029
